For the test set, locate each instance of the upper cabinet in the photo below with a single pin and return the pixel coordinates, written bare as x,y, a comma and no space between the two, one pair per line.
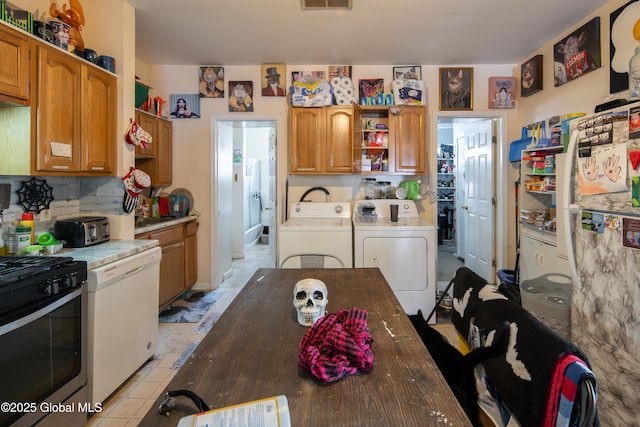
74,123
321,140
71,127
14,66
390,139
157,159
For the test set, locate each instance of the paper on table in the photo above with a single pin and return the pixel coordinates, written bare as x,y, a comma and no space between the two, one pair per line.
267,412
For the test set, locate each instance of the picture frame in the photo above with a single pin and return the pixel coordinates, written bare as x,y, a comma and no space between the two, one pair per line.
211,81
409,72
531,76
577,54
370,90
184,105
622,44
456,88
241,96
339,71
273,79
502,92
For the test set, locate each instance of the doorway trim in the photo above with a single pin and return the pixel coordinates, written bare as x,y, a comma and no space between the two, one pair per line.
280,137
500,175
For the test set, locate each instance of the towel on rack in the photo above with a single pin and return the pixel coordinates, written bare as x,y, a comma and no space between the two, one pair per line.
565,391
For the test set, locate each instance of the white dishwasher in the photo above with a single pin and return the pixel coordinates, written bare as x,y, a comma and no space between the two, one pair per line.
122,320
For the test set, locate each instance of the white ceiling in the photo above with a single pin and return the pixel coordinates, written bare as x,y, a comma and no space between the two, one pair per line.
374,32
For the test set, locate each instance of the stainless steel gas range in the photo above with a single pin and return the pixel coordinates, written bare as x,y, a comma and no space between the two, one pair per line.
43,327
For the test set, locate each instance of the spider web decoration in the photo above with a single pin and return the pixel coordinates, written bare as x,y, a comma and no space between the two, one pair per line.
35,195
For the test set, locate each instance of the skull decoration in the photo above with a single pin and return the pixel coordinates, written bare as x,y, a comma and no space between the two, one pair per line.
310,300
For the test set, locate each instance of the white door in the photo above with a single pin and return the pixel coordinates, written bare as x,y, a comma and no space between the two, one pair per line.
479,233
271,203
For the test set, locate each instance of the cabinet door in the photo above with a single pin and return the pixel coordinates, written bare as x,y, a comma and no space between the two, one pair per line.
57,119
536,258
409,134
307,136
164,157
149,124
191,254
14,66
99,121
338,144
171,272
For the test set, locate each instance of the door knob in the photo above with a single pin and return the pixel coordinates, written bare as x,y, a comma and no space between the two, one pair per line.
465,207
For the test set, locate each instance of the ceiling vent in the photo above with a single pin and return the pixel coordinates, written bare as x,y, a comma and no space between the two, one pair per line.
325,4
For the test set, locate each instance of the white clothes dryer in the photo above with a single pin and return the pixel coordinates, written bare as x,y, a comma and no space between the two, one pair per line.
317,235
405,251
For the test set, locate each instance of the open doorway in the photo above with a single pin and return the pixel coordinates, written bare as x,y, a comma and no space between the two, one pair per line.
471,197
244,189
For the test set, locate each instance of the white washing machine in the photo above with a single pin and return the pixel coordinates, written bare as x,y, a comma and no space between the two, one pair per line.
405,251
317,235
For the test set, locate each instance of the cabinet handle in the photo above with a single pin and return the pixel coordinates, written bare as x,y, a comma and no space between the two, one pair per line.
465,206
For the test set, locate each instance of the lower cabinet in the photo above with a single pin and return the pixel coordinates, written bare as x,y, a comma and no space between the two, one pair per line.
178,267
536,258
191,253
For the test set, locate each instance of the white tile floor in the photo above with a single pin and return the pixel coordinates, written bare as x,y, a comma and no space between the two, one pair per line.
129,404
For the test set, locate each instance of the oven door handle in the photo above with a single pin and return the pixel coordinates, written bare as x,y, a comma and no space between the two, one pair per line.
25,320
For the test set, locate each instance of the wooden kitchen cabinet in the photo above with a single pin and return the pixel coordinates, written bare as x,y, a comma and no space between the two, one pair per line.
321,140
179,263
402,133
74,123
190,253
409,132
157,159
14,66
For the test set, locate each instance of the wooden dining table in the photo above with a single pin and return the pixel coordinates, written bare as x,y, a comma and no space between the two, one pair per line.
252,353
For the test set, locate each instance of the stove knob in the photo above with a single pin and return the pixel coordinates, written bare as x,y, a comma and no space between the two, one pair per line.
71,281
50,288
338,209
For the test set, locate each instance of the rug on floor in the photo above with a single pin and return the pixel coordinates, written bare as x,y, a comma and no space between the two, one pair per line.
190,307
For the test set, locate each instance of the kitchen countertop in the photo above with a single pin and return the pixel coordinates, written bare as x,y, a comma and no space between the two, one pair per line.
164,224
107,252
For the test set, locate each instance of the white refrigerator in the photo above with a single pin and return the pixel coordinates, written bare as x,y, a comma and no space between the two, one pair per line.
601,208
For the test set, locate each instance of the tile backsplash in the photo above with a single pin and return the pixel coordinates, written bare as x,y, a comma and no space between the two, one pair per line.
72,196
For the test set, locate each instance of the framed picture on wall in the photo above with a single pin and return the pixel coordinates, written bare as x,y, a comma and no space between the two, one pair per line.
412,72
184,106
622,44
577,54
456,89
273,79
531,76
502,92
211,81
240,96
339,71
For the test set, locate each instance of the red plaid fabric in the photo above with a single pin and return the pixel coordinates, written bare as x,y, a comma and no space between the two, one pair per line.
337,345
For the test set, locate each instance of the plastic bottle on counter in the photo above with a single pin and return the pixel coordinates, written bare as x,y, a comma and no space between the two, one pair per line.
12,239
27,221
4,235
634,75
155,208
23,235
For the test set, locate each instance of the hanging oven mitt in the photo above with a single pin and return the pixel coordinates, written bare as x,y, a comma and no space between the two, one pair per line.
137,136
134,182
